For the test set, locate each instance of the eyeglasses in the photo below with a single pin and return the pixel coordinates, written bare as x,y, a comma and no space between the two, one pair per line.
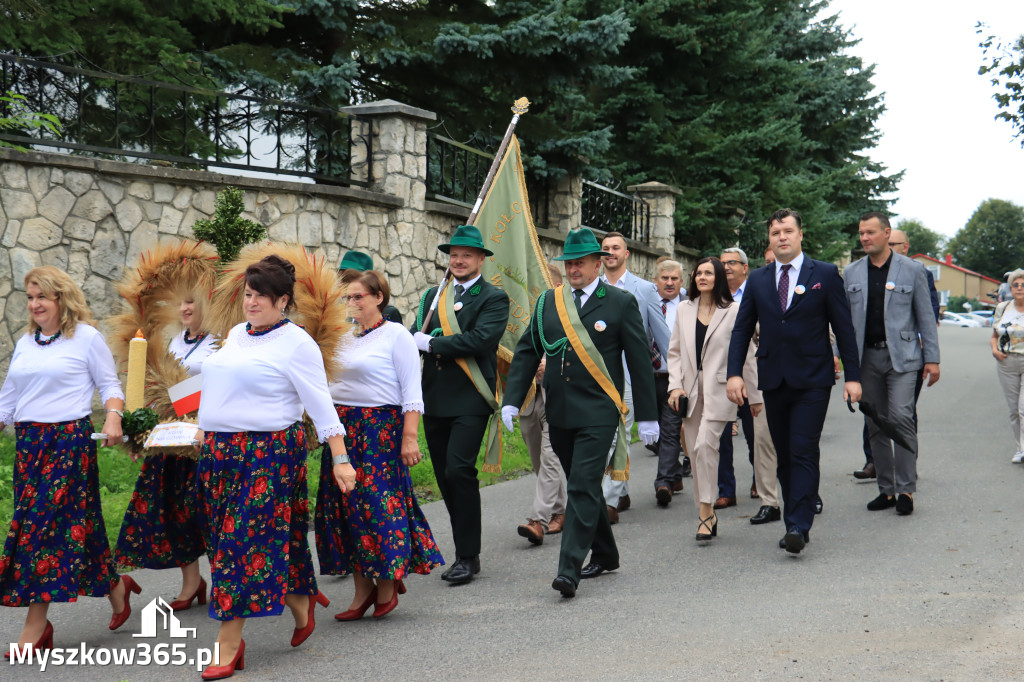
355,297
732,262
1017,285
896,243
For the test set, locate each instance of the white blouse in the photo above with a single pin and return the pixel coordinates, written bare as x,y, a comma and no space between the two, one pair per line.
263,383
190,355
56,382
381,368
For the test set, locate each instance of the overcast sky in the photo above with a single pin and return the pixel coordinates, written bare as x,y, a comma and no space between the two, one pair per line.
939,124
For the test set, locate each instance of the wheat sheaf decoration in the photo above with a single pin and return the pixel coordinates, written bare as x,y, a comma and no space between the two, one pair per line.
318,306
151,293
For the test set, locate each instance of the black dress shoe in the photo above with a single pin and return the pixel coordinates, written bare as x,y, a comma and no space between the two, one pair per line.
564,585
819,506
867,472
881,502
663,495
794,541
687,469
904,505
462,571
766,514
594,569
807,540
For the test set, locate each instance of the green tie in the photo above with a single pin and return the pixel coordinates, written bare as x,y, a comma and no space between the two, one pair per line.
578,294
458,291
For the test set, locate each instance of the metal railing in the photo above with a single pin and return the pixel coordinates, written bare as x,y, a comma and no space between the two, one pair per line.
610,211
116,116
455,171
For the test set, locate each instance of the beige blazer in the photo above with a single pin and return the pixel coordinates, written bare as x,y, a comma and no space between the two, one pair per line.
682,362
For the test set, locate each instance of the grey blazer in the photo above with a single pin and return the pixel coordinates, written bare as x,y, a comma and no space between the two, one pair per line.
910,331
646,295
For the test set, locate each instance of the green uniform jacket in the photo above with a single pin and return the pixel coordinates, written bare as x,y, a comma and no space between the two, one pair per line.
573,398
447,391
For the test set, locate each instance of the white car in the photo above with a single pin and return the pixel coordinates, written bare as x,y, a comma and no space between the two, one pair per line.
980,317
949,319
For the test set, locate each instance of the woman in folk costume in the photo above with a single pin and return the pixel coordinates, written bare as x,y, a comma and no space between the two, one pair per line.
161,525
252,470
57,548
377,531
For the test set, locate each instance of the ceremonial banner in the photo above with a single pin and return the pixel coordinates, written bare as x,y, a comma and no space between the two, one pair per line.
518,266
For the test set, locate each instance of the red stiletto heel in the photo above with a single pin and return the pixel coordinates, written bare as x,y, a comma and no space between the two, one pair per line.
357,612
119,619
400,586
301,634
219,672
200,594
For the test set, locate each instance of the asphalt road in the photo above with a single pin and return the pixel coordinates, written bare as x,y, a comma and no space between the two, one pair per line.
932,596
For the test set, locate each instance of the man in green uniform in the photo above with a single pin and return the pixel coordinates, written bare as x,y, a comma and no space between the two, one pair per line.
460,350
584,329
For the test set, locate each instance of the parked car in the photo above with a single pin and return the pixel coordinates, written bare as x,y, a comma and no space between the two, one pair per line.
949,319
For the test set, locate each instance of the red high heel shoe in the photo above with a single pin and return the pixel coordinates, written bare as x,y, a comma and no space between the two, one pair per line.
200,594
301,634
118,619
219,672
45,640
381,610
357,612
400,586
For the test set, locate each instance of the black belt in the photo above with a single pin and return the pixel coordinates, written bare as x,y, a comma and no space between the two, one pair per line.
877,345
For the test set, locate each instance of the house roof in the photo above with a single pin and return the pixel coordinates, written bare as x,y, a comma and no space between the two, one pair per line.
955,267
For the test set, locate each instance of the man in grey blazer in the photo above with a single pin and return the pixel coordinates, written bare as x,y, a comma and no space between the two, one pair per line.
896,335
616,493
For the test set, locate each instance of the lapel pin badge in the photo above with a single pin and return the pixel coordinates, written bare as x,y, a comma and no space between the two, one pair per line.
800,289
890,285
600,325
458,306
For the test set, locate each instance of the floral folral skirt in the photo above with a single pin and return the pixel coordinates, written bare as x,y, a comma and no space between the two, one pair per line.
254,513
57,547
377,530
161,526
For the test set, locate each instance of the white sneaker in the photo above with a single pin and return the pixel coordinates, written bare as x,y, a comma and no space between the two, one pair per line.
1018,458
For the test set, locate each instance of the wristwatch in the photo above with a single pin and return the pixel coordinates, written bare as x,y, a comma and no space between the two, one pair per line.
340,459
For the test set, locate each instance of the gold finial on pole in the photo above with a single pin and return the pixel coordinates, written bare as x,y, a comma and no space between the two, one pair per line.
521,106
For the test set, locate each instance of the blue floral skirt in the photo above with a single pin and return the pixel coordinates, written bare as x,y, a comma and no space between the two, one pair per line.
57,547
254,512
161,526
378,529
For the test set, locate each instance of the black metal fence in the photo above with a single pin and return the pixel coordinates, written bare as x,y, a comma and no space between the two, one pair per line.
455,171
610,211
123,117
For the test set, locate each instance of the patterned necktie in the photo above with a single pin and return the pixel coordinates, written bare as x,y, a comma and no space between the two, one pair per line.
578,295
664,306
459,289
784,287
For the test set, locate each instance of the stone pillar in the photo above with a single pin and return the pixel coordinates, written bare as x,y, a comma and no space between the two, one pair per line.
397,135
565,203
662,200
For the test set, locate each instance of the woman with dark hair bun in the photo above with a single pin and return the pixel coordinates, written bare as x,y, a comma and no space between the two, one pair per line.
377,531
252,470
697,358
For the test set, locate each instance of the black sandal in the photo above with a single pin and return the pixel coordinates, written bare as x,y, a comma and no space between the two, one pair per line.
702,537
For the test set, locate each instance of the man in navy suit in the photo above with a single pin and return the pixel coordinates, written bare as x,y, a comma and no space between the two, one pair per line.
795,300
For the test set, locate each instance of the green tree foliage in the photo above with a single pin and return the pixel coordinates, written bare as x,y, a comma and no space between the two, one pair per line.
992,241
1004,65
21,120
922,240
228,230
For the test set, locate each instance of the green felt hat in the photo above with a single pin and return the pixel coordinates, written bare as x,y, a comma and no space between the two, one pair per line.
356,260
466,235
579,243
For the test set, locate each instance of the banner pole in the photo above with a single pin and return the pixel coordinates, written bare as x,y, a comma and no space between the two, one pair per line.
520,107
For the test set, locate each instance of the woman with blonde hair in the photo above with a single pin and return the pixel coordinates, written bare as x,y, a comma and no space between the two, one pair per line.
1007,343
57,547
161,528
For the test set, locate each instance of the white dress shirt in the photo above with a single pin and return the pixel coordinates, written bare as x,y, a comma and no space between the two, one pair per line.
55,383
794,273
587,291
263,383
381,368
737,296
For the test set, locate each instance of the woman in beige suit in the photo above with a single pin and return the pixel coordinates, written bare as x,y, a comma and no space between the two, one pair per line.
697,359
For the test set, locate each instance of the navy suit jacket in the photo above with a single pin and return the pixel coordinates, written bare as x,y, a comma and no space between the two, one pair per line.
794,347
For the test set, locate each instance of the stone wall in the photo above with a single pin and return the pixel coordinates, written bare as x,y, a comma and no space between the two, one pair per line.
94,217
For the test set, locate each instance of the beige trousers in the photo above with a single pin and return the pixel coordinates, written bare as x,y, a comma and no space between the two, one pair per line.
702,437
766,474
